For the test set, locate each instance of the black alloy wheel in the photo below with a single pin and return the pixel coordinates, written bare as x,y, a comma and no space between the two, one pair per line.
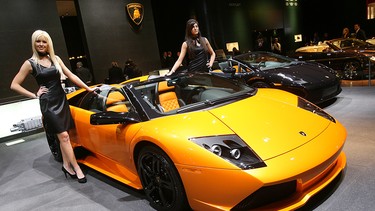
54,146
351,70
160,180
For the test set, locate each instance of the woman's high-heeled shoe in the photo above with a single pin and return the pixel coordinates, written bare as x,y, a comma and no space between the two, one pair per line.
82,180
73,176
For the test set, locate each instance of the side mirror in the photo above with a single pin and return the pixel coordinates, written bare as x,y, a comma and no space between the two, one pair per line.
110,117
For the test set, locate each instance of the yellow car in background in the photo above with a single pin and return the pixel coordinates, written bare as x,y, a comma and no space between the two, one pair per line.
203,142
351,58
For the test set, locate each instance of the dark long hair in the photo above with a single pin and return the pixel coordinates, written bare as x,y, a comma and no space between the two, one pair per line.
192,39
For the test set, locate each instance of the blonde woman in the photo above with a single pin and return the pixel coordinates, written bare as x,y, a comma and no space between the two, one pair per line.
48,70
345,33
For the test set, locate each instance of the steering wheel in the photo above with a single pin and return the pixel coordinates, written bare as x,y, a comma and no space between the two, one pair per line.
194,92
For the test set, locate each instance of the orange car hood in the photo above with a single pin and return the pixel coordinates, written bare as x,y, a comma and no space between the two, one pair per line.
271,127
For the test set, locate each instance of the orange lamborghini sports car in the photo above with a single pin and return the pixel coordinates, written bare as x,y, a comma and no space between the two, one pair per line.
203,142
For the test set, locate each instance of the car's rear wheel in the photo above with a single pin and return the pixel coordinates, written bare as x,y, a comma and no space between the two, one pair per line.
54,146
161,181
351,70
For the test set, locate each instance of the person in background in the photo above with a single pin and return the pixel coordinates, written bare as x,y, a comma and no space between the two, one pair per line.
276,46
235,51
200,55
261,43
326,36
131,70
115,74
47,68
345,33
316,39
164,63
84,73
359,33
170,60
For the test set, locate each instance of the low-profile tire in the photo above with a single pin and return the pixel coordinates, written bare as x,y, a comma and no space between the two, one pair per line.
54,146
160,180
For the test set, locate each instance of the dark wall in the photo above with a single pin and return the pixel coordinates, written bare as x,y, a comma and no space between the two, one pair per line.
225,21
332,16
257,17
18,20
221,21
170,23
110,37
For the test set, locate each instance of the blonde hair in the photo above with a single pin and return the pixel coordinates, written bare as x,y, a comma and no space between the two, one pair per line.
50,51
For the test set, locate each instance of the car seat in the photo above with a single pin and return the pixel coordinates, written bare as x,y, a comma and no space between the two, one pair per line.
116,102
166,97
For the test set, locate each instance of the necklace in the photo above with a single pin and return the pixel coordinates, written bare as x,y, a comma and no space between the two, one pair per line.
42,54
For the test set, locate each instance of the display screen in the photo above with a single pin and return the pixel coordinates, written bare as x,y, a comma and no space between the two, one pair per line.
232,45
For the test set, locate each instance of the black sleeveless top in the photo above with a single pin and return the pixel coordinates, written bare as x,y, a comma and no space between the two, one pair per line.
53,105
198,62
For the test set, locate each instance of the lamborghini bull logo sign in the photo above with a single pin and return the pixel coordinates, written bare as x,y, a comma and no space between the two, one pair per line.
135,13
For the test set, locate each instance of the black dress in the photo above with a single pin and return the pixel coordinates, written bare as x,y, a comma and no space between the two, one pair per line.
53,105
197,62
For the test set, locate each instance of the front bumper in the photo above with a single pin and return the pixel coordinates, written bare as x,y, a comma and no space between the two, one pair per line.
239,190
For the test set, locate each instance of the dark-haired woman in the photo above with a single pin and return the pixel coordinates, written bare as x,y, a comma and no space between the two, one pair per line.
200,55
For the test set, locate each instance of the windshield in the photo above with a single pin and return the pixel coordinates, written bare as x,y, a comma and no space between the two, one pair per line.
189,92
349,43
264,60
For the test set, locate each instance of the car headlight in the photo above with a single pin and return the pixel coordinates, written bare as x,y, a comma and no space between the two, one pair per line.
231,148
304,104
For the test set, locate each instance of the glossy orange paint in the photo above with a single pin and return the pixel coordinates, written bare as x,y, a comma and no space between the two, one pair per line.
210,182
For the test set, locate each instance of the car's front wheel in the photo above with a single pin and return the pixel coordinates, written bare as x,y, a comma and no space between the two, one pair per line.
160,180
54,146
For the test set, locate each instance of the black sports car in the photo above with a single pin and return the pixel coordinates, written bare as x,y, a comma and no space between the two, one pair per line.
349,56
312,81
